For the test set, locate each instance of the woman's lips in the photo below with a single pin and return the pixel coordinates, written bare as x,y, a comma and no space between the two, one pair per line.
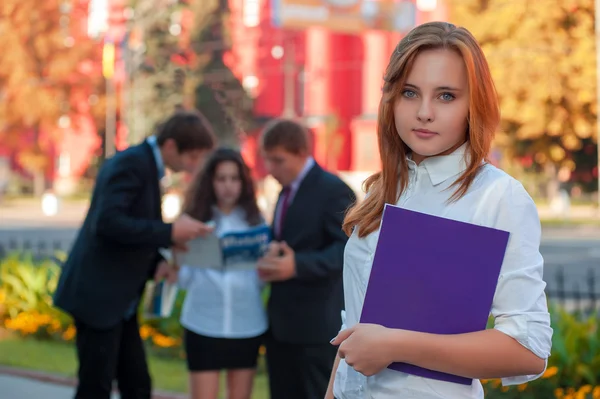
424,133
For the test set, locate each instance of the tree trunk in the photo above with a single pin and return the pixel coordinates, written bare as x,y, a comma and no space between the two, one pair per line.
38,167
39,183
552,185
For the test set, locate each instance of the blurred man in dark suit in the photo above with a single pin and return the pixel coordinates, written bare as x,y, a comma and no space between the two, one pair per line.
306,278
117,251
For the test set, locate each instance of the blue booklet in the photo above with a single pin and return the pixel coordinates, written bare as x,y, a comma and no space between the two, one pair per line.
238,250
241,250
159,300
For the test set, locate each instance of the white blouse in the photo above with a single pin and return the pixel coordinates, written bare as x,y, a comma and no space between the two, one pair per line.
223,304
519,307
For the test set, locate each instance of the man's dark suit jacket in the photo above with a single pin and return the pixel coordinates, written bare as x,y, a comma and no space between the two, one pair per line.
307,308
116,250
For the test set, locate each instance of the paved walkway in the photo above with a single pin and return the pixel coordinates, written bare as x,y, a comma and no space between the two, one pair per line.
18,383
12,387
28,213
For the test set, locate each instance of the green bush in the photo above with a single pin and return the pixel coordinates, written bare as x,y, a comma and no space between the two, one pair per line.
26,305
574,362
27,285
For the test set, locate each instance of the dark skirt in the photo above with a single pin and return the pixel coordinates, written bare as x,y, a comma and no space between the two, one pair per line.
211,354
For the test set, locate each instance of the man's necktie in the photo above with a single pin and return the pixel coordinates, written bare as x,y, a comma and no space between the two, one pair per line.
285,201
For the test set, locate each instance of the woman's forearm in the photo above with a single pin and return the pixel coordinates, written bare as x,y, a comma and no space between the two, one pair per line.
482,354
336,363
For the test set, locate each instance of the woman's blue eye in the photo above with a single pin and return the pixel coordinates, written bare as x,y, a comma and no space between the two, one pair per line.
447,97
409,93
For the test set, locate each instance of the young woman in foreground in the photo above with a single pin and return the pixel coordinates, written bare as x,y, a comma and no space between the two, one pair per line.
437,119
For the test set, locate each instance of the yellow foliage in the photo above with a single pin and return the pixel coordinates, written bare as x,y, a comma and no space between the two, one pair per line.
581,393
522,387
165,342
542,57
146,332
27,323
30,323
550,372
69,333
2,301
39,66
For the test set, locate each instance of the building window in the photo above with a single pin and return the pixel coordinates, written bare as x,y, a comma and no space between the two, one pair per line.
64,164
427,5
251,13
97,17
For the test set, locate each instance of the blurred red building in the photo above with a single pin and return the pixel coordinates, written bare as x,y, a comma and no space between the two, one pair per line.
98,21
70,156
329,74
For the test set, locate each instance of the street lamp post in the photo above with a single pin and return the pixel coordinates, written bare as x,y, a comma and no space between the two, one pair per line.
286,52
108,70
289,83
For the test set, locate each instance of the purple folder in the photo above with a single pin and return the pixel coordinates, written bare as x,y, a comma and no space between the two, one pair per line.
434,275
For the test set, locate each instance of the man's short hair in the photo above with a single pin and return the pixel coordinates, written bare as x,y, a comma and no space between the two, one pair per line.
189,129
287,134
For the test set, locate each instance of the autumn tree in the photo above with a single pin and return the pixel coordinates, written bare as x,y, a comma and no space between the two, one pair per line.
42,61
219,94
180,65
543,59
159,65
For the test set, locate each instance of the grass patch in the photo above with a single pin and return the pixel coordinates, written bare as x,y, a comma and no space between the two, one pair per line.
59,358
594,222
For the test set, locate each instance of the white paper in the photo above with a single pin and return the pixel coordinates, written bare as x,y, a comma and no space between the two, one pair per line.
203,252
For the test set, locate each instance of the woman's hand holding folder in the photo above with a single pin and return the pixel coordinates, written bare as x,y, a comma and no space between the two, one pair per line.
369,348
365,347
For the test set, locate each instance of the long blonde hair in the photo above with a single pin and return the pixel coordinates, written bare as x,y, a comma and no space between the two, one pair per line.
483,120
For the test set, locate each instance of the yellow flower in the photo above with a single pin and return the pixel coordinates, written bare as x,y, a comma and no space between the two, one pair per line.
586,389
522,387
69,333
146,331
164,341
26,323
550,372
583,392
23,323
495,383
54,326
